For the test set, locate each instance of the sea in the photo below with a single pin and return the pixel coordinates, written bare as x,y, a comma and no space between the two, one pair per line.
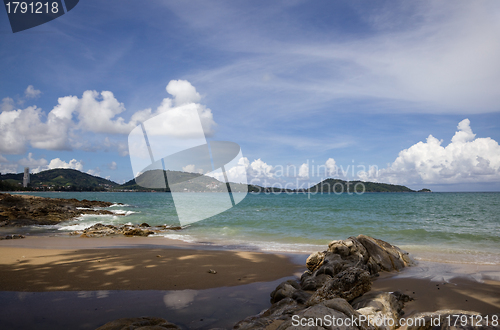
453,227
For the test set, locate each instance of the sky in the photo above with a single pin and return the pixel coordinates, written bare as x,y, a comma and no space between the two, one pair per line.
390,91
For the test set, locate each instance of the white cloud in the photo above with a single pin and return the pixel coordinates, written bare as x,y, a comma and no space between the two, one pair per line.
94,172
183,92
31,92
58,163
465,160
32,162
331,167
192,169
93,112
8,168
422,56
244,171
304,172
259,169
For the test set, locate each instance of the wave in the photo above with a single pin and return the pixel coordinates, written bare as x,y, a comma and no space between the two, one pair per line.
123,212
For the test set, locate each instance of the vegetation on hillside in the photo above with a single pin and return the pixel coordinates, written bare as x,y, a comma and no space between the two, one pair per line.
156,180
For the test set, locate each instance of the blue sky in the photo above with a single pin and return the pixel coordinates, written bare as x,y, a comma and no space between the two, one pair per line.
294,83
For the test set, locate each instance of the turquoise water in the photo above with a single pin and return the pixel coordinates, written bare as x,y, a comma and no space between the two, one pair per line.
462,227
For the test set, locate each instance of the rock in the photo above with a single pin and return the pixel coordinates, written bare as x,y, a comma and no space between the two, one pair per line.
137,232
144,224
284,290
385,255
445,320
315,260
380,306
348,284
99,230
312,282
142,323
334,277
25,210
278,312
211,271
12,236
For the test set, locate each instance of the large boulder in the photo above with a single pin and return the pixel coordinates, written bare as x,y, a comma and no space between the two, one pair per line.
348,284
387,256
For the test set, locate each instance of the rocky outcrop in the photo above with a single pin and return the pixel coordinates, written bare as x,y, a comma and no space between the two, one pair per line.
24,210
142,323
100,230
12,236
336,284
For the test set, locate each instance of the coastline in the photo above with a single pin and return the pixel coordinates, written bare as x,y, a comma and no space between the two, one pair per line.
139,266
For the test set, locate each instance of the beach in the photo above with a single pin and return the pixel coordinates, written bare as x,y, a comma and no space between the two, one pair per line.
131,264
121,267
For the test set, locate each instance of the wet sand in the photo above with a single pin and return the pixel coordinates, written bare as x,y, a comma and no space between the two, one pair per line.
74,264
436,286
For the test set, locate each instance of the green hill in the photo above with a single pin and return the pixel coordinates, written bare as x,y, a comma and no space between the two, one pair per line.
179,181
57,179
338,186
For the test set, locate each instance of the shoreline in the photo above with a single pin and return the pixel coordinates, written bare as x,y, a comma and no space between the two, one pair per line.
125,267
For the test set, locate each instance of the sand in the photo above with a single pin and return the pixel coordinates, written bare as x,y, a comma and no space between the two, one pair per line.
38,264
114,266
456,294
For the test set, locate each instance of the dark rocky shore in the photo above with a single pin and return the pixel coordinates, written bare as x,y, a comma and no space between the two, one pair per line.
25,210
335,293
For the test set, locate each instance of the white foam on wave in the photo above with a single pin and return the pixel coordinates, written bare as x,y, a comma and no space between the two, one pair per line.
77,226
86,216
177,237
123,212
118,205
245,245
84,208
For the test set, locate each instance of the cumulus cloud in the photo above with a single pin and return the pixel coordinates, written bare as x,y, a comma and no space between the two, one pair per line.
32,162
94,172
244,171
183,92
304,172
94,112
259,168
465,159
331,167
58,163
192,169
31,92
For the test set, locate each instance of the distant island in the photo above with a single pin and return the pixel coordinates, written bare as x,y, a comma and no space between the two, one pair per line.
74,180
